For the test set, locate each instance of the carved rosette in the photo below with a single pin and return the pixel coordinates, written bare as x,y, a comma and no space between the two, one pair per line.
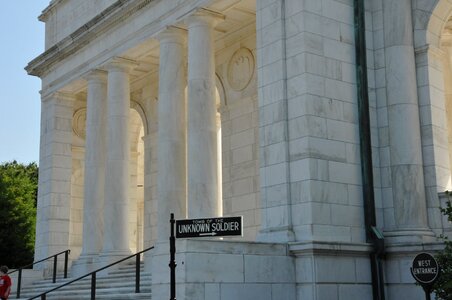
79,123
241,69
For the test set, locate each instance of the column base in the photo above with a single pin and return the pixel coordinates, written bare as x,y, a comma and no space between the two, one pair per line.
85,264
412,235
108,257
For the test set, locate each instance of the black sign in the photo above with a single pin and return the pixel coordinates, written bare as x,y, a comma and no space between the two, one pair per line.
425,269
214,227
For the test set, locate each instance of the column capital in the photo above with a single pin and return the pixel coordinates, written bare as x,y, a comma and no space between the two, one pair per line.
172,34
121,64
96,75
204,17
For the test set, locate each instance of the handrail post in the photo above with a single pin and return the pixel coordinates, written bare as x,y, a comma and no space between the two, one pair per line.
66,258
43,297
93,286
19,280
137,273
55,258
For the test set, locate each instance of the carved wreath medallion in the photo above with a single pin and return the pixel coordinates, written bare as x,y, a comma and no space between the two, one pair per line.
241,69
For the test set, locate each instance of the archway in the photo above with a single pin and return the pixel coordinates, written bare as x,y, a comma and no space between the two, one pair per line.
439,40
429,30
434,77
136,202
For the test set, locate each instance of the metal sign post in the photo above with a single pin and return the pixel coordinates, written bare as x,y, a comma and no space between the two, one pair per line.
425,270
172,263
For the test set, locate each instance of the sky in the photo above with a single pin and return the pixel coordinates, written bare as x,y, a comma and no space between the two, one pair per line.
22,39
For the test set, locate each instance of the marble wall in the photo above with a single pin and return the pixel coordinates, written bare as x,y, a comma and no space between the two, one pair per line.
290,162
236,72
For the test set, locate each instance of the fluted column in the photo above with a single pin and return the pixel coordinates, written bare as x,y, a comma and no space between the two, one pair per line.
202,129
410,210
116,238
172,133
94,163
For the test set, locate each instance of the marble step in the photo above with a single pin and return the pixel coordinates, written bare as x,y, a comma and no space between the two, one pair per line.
133,296
118,284
108,288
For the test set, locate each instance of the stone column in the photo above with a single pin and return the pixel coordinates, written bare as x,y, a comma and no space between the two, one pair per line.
410,210
116,232
202,129
55,170
172,133
95,149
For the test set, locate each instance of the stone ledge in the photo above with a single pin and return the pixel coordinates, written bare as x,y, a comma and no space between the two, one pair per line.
224,247
329,248
405,248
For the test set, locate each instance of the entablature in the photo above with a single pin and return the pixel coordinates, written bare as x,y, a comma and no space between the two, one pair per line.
129,28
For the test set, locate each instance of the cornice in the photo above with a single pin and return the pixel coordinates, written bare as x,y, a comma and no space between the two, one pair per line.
111,16
45,13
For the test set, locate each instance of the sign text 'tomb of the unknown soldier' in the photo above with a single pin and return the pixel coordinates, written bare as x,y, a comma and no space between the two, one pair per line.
213,227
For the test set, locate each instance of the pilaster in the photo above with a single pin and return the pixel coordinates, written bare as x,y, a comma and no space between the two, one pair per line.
274,172
55,170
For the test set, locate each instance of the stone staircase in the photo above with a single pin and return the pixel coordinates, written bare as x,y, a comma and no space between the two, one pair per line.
118,284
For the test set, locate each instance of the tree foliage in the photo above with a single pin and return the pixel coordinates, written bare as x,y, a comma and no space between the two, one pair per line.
18,198
443,286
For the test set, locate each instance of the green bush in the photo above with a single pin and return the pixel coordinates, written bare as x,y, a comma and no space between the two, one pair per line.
18,198
443,286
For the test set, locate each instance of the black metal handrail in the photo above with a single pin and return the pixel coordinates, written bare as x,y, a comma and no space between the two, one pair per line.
93,276
55,261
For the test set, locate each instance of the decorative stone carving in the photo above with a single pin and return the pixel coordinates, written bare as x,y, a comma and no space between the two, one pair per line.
79,123
241,69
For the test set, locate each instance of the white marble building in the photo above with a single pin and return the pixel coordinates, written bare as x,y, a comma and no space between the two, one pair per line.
206,108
